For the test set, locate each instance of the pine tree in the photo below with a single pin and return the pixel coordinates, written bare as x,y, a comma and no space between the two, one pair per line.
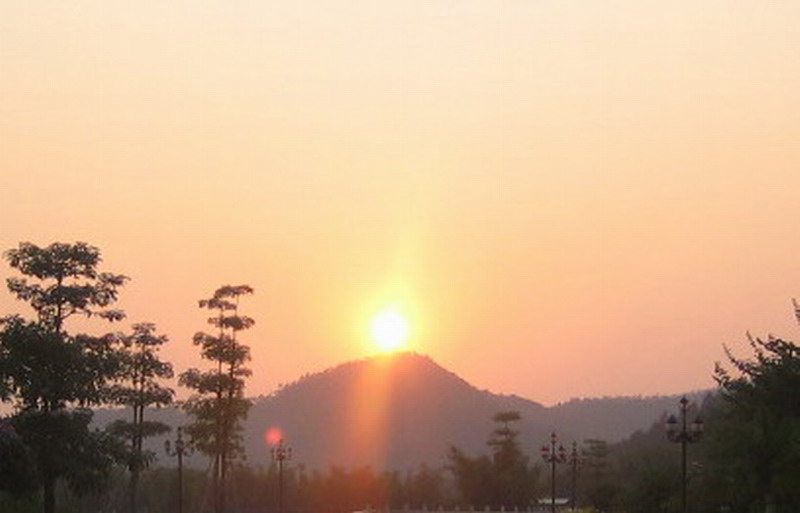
513,480
506,479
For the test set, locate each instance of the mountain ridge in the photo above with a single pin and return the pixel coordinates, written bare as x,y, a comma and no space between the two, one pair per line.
400,410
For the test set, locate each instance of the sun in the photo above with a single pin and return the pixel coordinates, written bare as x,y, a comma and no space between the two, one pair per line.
389,330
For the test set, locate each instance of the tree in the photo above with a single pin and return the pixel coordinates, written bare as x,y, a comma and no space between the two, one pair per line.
599,491
17,464
760,441
513,478
505,479
141,373
424,488
46,371
218,405
473,476
68,282
647,472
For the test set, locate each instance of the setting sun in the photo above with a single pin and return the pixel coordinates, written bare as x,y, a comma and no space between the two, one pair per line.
389,330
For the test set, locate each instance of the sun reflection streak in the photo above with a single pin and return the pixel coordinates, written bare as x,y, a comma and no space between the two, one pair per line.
369,433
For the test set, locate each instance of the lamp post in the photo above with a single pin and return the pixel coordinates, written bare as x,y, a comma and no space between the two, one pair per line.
680,431
280,454
552,456
574,460
181,449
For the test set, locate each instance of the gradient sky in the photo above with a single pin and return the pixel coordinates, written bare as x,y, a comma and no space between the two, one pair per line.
566,198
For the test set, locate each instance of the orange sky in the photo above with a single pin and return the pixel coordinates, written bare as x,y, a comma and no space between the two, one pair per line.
568,198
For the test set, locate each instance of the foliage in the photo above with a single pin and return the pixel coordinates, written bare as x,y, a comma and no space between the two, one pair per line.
68,282
49,370
218,405
422,488
473,476
747,459
139,389
506,479
513,480
255,490
17,465
46,371
599,490
647,472
66,446
760,439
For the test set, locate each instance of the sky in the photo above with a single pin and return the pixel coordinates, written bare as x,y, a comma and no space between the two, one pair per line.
565,199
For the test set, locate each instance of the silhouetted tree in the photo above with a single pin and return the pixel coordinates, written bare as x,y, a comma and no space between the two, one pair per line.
45,370
218,406
513,478
760,441
599,488
17,462
647,471
425,487
140,389
473,477
505,479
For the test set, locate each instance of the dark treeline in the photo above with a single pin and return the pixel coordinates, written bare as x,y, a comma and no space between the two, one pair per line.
51,458
252,490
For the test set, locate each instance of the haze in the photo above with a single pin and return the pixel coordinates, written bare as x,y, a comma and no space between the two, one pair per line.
565,198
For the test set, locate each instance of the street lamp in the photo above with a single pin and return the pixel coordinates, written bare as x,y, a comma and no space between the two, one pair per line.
574,460
181,449
552,456
280,454
679,431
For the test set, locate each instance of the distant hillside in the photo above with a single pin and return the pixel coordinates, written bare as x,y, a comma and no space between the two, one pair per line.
402,410
399,410
615,418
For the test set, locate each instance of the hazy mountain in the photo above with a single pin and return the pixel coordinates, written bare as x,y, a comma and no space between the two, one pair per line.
401,410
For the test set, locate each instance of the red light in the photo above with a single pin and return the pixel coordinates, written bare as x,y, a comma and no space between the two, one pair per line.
273,435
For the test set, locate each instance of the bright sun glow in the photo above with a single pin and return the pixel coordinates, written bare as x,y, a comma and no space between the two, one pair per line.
389,330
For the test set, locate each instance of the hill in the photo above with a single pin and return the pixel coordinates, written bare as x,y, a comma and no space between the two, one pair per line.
398,411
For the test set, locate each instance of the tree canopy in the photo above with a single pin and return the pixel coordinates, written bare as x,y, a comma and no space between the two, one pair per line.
505,479
759,438
140,388
46,371
218,404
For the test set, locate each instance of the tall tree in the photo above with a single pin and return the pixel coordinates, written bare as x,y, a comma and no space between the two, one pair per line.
140,389
47,371
506,479
17,464
218,405
599,490
424,488
473,476
514,480
760,443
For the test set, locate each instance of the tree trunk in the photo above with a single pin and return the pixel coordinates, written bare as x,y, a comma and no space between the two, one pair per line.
215,484
134,485
49,495
769,504
136,450
222,487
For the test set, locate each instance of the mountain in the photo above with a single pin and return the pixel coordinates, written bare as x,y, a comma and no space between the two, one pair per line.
395,410
398,411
